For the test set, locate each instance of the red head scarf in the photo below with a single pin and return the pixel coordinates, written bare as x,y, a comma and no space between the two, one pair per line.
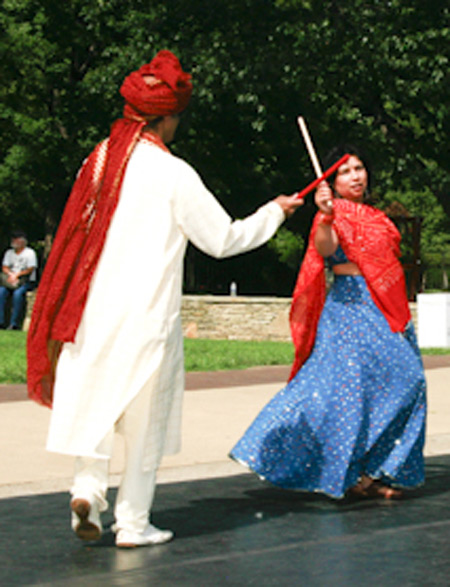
160,88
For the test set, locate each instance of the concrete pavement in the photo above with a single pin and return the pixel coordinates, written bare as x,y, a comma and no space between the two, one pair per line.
214,419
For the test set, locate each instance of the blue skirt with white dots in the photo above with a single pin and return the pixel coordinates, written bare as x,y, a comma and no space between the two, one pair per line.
357,406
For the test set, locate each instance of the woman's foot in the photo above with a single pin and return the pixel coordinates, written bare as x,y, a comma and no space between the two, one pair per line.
360,489
377,489
368,488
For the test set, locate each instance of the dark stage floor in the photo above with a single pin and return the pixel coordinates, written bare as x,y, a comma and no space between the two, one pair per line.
239,531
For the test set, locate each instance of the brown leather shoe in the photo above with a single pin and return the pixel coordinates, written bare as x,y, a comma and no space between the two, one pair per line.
86,519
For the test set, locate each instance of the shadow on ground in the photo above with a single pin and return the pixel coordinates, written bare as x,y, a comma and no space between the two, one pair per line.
240,531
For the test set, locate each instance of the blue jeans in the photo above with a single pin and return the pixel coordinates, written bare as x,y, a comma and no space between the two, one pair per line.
18,303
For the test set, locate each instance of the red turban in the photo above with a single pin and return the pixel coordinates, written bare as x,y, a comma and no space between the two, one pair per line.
160,88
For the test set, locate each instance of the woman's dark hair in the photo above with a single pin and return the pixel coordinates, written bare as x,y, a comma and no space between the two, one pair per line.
339,151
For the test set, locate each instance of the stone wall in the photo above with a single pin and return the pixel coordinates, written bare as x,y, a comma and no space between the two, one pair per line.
232,318
240,318
236,318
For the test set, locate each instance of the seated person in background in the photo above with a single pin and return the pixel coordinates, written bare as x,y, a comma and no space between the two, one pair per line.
17,277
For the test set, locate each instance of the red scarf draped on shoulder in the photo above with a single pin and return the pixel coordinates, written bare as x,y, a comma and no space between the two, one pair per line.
369,239
160,88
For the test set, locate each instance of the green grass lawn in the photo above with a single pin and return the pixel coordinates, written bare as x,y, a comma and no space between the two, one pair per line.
12,356
200,355
215,355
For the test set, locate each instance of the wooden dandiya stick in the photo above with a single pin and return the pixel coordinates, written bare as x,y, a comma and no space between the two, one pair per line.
315,161
312,153
324,176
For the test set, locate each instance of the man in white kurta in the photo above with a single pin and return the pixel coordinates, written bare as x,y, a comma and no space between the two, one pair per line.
124,371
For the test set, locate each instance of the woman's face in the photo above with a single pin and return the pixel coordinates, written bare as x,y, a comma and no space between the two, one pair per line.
351,180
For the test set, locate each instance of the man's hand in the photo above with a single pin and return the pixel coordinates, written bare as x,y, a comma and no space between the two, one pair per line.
12,279
289,204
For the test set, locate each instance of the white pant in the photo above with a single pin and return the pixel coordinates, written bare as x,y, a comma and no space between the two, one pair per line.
137,488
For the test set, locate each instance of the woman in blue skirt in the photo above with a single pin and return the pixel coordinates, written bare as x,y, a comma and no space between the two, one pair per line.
351,420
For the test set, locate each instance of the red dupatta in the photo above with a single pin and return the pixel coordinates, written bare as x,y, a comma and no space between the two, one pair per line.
64,286
369,239
157,89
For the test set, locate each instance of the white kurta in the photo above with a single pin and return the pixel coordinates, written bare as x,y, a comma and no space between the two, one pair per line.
130,337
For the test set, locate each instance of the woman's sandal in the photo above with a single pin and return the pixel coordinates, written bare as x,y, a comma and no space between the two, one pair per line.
377,489
374,490
358,491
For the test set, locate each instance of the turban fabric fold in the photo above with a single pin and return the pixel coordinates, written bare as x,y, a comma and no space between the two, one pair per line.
160,88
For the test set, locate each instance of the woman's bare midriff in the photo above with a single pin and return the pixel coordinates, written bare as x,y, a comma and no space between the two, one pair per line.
346,269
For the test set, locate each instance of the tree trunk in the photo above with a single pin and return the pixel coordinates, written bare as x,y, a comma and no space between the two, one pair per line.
50,226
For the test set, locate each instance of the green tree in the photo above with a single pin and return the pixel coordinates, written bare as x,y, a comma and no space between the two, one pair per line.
435,232
288,246
372,73
61,61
